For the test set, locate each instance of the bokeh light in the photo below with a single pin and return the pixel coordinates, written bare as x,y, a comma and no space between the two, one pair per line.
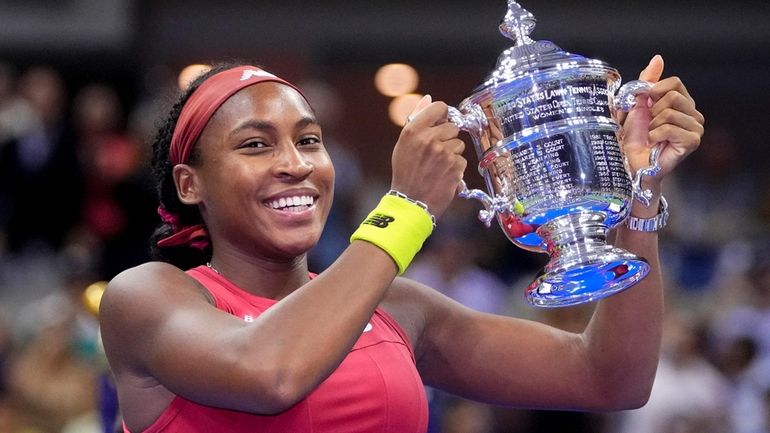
190,73
396,79
401,106
92,296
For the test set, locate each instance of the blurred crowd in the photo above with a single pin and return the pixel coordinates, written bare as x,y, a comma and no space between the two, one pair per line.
77,205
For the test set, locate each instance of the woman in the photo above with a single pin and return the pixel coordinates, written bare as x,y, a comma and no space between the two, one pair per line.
248,340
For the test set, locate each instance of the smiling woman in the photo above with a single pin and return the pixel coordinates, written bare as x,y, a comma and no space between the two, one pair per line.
216,101
230,332
265,148
246,185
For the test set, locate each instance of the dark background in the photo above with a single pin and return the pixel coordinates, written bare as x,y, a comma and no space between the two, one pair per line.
721,49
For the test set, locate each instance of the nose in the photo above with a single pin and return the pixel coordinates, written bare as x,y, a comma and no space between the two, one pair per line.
292,163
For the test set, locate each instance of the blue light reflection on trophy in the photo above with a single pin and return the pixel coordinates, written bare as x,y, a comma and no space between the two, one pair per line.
556,177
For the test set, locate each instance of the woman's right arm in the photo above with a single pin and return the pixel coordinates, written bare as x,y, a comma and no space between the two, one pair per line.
158,322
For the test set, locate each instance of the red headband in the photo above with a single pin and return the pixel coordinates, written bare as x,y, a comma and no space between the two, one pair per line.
197,111
205,101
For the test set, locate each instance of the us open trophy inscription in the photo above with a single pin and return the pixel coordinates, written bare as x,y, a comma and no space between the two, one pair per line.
556,177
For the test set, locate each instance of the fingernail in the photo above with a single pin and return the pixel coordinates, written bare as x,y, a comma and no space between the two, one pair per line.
649,103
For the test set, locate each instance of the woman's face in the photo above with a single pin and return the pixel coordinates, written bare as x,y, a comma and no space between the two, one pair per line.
265,178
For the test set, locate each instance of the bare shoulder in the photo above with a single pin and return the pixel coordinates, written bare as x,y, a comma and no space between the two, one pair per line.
147,281
146,271
137,299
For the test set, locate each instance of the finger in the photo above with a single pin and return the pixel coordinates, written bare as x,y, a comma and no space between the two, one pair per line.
424,102
620,116
682,140
677,102
459,166
436,113
679,119
670,84
447,131
654,70
459,188
455,146
671,154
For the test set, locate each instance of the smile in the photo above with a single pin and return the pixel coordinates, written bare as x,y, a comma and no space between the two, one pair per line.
292,204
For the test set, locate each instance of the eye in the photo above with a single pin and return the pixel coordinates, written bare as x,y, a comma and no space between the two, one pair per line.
310,142
254,144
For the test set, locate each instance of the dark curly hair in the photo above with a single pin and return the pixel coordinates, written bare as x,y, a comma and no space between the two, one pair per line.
182,256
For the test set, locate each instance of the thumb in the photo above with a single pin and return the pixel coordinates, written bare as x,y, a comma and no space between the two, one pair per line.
424,102
421,105
654,70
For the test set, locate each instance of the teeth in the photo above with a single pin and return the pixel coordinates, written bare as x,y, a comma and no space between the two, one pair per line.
284,202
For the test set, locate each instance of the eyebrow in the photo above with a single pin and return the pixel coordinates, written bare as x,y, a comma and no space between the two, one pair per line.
269,126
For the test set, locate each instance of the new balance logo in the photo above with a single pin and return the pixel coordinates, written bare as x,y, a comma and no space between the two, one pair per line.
379,220
251,73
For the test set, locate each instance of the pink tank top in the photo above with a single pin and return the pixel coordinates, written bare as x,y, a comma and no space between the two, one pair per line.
376,388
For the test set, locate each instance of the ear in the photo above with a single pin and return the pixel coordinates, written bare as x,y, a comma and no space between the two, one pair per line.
188,185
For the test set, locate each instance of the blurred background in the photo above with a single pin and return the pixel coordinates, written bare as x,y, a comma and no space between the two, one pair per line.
83,84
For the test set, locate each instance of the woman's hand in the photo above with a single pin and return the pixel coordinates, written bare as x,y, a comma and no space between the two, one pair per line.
666,117
427,159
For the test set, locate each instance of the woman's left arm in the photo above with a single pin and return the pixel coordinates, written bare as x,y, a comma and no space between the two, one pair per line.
623,337
611,365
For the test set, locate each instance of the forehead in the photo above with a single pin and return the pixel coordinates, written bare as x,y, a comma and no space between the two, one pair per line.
266,101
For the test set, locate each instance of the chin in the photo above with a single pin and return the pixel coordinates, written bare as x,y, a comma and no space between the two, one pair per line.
298,247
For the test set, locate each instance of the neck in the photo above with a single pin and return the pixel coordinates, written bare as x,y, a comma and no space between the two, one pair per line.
265,278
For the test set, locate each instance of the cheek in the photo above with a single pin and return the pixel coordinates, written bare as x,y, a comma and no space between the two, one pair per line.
332,174
234,185
324,170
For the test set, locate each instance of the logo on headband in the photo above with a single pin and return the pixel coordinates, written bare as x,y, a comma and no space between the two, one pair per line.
251,73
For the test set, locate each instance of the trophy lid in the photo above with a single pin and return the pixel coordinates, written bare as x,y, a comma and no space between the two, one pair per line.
532,59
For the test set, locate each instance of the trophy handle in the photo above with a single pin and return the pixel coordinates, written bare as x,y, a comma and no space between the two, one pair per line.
492,205
473,121
625,101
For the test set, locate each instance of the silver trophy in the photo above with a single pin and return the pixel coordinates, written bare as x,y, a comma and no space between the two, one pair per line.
556,177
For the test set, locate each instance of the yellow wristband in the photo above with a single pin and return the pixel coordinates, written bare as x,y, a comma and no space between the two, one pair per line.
397,226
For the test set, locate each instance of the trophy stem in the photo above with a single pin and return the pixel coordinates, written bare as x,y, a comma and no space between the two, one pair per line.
583,267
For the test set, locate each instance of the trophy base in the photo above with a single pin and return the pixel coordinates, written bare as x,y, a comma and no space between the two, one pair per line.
588,282
583,268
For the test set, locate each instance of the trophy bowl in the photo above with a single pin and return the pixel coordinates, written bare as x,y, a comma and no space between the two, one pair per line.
556,177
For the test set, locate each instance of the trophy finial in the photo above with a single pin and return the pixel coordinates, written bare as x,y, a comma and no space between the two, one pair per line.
517,24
